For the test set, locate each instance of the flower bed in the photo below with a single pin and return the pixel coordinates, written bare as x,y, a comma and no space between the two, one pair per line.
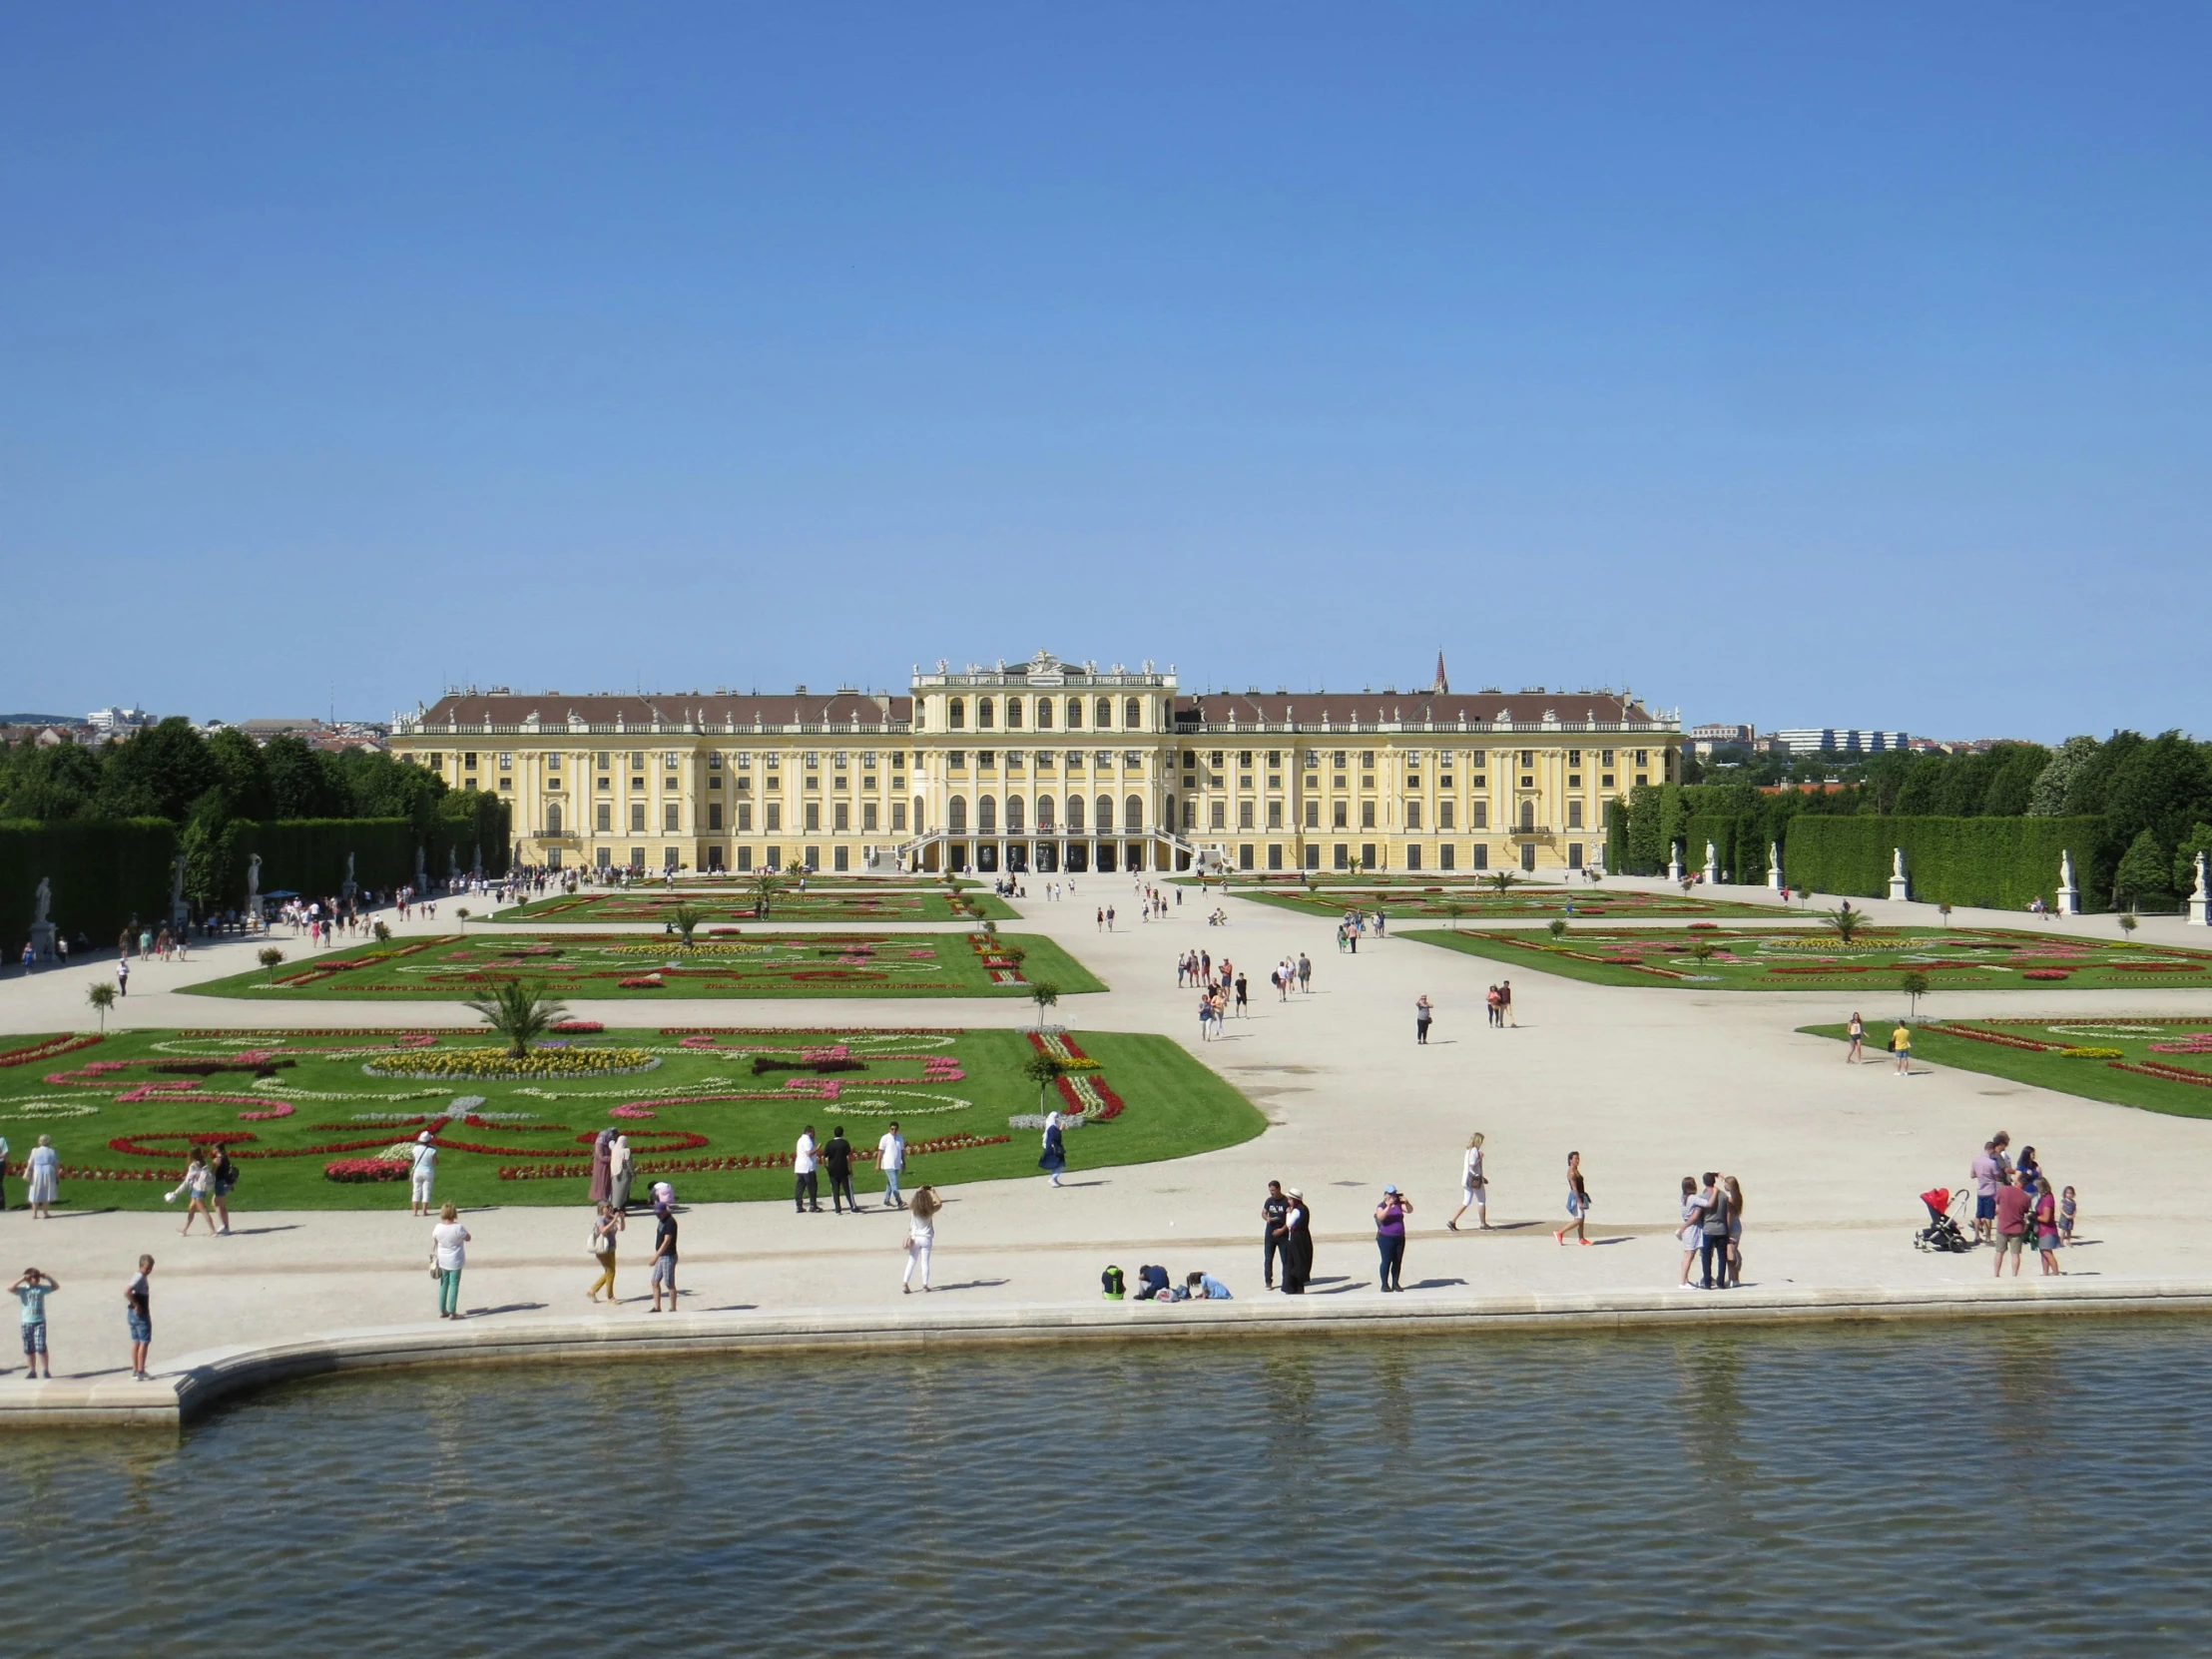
745,1161
2093,1053
365,1169
497,1062
2046,973
46,1050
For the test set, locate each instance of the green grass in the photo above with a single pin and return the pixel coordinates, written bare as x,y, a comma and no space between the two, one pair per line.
1810,959
1172,1107
454,967
730,908
1518,903
1941,1043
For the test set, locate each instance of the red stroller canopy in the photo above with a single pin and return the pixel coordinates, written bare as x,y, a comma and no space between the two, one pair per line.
1938,1200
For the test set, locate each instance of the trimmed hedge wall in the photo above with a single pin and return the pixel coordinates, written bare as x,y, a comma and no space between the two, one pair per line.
1998,863
104,876
307,855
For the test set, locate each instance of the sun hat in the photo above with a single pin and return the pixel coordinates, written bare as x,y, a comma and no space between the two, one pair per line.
1293,1192
424,1136
1389,1192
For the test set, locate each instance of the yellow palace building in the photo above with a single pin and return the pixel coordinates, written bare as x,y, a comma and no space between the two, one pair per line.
1048,765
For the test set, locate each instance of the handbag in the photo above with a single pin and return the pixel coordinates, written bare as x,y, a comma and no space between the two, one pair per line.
601,1244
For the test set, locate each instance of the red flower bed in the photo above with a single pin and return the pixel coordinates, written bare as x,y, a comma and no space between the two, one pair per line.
679,1140
646,984
2047,973
2156,1068
2002,1039
742,1161
365,1169
578,1027
46,1050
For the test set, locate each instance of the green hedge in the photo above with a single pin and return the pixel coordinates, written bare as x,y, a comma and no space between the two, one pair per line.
1998,863
307,855
106,875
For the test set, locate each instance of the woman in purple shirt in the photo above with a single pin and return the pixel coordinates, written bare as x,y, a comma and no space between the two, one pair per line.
1390,1235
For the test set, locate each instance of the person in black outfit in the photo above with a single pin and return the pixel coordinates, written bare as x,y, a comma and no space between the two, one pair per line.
1272,1208
1298,1245
836,1157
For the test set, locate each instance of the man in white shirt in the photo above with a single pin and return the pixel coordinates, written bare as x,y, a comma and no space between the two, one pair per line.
805,1189
424,1171
891,1158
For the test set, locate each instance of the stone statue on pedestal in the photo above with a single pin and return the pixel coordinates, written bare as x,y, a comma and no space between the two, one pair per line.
1712,866
1774,867
254,892
2201,902
421,875
349,887
1674,863
2069,895
477,864
42,925
180,914
1897,886
452,870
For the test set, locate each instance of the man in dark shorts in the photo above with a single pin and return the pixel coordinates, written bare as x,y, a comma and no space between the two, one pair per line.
837,1158
1272,1209
664,1257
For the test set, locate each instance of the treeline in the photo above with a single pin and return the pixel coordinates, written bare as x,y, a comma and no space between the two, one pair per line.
104,825
2142,809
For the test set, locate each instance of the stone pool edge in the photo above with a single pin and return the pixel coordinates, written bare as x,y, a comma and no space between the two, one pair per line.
201,1382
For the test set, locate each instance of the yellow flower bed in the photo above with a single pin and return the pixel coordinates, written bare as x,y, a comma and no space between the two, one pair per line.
466,1064
667,947
2091,1053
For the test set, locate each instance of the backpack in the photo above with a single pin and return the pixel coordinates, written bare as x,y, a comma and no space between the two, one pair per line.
1111,1280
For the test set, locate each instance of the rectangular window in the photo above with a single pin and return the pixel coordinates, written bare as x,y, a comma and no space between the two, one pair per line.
606,763
637,858
1481,858
1481,815
1313,857
1244,815
1444,815
1274,854
1412,818
606,818
837,858
745,857
1219,818
899,817
1574,814
469,762
773,818
1366,854
1341,820
745,818
603,856
506,763
667,857
1528,757
1412,855
841,816
1367,814
637,817
814,817
1275,815
714,814
1312,814
1448,856
867,815
1343,856
1574,855
813,857
668,818
1244,856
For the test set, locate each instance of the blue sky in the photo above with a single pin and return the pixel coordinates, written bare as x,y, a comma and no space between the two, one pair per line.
1789,365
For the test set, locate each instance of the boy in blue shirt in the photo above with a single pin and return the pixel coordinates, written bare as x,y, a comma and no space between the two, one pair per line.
32,1289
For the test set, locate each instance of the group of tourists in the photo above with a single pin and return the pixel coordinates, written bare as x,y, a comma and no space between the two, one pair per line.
1712,1232
1356,926
34,1287
2016,1203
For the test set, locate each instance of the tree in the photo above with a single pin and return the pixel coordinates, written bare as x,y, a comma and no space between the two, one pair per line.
2049,795
1455,909
157,772
1044,1070
1943,910
1044,994
1846,923
462,910
766,885
270,959
241,775
2198,840
685,918
1700,948
301,783
2143,874
1559,928
518,1013
100,995
1914,983
2129,922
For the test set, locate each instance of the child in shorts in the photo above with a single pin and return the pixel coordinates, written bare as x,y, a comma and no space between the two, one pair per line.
2067,1215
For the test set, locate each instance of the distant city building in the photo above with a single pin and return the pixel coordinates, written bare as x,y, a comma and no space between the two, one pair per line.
1837,739
113,722
261,731
1703,740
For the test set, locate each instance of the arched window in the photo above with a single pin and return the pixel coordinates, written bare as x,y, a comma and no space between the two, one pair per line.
1105,813
1168,817
1075,814
1014,815
1013,714
1105,713
983,714
553,817
920,823
1132,813
956,714
1075,713
1044,801
1044,714
986,813
1132,715
955,817
1528,815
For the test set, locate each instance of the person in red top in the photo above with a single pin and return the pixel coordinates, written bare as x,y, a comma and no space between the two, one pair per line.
2013,1203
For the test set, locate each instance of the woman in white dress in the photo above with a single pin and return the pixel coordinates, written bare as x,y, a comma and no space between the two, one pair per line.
43,1169
1474,1187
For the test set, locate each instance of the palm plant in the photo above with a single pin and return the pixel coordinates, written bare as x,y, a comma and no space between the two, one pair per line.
685,918
1044,993
766,885
519,1014
1846,923
1501,883
100,995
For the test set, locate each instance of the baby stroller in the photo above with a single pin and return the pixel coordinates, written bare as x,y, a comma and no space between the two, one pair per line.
1942,1233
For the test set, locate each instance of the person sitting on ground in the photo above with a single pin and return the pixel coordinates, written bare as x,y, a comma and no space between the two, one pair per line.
1204,1287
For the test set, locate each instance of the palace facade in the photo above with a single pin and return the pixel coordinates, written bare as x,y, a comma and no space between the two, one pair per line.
1048,765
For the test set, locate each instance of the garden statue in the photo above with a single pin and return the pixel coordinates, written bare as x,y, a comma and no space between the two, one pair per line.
2201,902
350,886
2069,895
421,877
1712,866
476,863
42,925
1674,862
452,870
180,914
1897,886
254,892
1774,867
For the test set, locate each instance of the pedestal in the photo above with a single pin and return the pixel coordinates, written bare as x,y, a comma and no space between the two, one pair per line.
41,941
2070,902
1899,888
2200,911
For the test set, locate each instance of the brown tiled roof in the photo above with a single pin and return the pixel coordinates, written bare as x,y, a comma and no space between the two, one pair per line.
672,709
1414,707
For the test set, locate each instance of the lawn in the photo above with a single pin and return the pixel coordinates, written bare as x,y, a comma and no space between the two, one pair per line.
1409,903
1805,960
2157,1062
861,904
714,1112
454,967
